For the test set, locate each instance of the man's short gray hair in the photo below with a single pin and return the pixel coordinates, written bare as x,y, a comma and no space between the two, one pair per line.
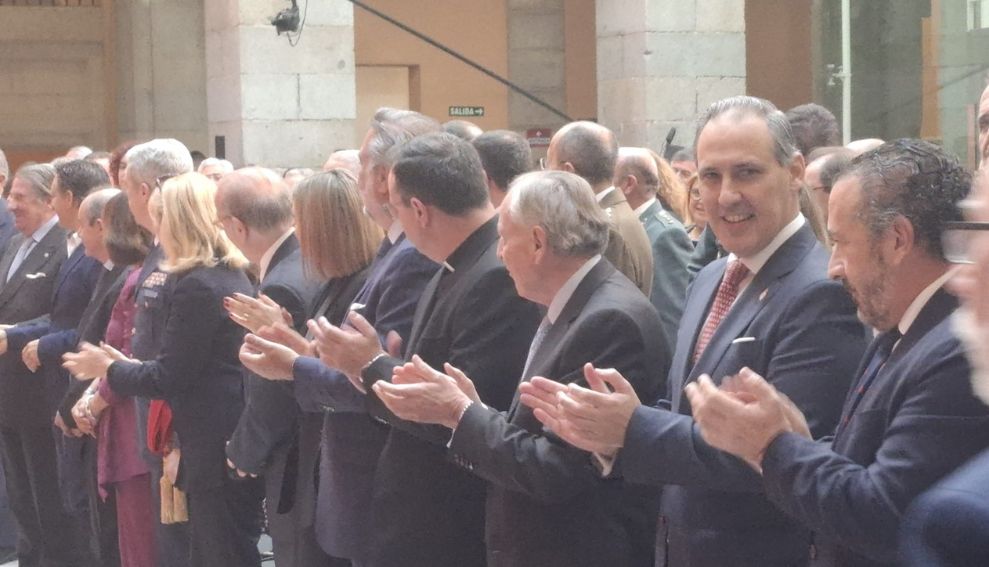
784,145
40,177
95,202
563,204
162,156
392,127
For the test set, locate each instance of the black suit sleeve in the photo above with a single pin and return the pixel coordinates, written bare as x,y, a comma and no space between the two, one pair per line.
492,328
536,462
195,312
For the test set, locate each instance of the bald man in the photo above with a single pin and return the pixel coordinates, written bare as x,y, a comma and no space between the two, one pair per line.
591,151
255,208
859,147
637,177
344,159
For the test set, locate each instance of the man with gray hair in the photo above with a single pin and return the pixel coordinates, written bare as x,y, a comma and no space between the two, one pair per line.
542,495
255,210
768,306
215,168
637,177
148,166
590,150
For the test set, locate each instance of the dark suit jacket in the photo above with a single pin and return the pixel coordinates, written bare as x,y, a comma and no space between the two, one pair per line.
22,298
7,229
544,494
806,341
92,328
918,421
57,333
351,439
671,250
270,414
948,526
628,245
425,510
197,371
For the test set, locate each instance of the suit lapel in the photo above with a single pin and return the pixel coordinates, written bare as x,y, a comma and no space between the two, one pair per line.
548,348
756,295
67,266
8,258
36,259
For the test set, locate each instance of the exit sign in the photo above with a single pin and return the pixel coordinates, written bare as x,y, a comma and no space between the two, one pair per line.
466,111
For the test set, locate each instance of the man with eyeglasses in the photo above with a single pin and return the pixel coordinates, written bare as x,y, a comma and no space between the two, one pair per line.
910,417
949,524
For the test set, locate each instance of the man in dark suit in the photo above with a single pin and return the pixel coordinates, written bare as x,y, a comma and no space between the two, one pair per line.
948,526
768,307
591,150
352,441
637,177
42,343
543,493
148,165
255,208
28,271
910,417
426,511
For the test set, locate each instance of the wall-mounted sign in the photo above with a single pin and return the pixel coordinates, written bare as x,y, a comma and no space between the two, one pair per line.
466,111
538,137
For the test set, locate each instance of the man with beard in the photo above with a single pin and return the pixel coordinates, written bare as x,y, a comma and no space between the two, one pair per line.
949,524
910,417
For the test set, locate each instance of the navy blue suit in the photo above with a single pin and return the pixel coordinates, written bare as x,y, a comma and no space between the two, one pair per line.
547,505
351,440
915,423
799,330
948,526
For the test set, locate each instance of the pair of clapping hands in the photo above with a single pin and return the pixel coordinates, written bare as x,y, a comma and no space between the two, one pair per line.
272,345
89,363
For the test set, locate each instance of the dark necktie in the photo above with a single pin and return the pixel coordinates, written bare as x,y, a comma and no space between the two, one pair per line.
723,300
884,344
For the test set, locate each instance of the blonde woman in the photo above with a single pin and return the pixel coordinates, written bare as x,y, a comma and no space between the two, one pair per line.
197,372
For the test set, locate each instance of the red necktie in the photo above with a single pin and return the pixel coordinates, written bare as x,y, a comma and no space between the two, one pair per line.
727,292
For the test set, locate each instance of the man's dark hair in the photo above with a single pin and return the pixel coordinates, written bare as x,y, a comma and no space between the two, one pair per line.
832,168
813,126
504,154
79,177
591,149
913,179
440,170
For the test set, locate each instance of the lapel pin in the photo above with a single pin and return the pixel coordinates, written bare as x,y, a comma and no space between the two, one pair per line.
46,254
763,294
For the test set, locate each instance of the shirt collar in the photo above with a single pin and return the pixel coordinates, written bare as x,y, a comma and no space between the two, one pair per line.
395,231
910,315
270,253
473,246
641,209
72,242
755,262
600,196
44,229
565,292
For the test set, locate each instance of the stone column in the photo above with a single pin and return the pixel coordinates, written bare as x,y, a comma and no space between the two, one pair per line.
662,62
536,62
277,105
